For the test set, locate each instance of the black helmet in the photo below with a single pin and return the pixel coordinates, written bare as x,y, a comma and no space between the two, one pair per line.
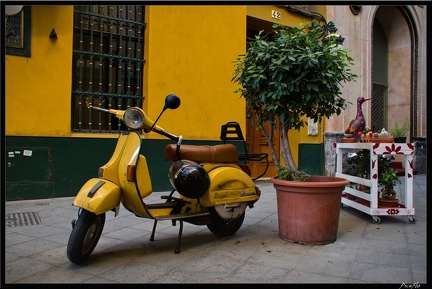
189,178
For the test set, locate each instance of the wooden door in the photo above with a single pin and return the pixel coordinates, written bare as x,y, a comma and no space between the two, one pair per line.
257,143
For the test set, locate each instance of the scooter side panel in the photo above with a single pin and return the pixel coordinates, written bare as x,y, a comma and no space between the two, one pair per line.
143,177
98,196
131,190
110,169
229,185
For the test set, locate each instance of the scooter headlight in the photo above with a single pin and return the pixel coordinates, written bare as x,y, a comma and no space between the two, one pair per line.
133,118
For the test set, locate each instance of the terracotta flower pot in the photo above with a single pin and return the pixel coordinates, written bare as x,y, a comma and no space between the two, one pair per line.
348,140
308,212
382,139
388,203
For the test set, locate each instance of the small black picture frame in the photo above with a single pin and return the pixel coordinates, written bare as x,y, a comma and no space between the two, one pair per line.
18,33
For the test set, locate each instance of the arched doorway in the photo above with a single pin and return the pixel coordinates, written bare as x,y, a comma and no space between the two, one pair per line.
393,73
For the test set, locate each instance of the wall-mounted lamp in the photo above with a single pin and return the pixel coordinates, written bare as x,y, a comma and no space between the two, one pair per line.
12,9
355,9
53,34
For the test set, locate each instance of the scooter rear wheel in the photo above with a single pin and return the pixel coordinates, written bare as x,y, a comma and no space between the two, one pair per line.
84,236
223,228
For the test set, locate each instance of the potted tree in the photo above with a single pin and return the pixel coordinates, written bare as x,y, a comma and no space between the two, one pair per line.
285,79
399,132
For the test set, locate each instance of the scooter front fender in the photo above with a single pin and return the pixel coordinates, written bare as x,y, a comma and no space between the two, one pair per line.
98,196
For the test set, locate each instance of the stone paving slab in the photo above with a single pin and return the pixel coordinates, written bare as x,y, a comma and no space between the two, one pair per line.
393,251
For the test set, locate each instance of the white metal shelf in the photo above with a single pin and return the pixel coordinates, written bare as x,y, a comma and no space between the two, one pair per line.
376,149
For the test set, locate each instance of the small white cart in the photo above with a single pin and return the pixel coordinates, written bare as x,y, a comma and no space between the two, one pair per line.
376,149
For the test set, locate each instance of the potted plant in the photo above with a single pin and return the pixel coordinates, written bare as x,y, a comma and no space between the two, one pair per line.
285,173
286,79
399,132
308,206
359,165
387,181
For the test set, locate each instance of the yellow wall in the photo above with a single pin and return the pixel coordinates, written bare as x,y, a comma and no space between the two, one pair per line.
190,52
38,88
186,53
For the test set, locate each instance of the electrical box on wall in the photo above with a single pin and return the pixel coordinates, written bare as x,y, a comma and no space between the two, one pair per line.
311,158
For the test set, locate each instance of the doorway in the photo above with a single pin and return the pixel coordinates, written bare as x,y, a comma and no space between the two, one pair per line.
392,68
256,141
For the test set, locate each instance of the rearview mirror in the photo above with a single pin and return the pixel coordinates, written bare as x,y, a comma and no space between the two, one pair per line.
172,101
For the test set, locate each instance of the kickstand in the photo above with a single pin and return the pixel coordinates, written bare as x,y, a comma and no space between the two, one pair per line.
177,249
153,231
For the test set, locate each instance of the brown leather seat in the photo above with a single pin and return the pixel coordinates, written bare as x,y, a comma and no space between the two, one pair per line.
223,153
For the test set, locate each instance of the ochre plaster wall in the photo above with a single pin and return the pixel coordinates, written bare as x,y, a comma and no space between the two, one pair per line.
38,88
191,53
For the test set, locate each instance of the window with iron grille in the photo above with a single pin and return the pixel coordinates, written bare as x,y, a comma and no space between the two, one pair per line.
379,106
107,64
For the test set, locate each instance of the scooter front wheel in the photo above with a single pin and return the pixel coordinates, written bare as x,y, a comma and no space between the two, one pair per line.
84,236
223,228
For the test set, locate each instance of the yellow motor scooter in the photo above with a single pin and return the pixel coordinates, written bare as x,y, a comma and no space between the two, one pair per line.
210,188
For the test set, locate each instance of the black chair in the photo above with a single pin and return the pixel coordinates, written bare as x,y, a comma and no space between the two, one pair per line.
231,131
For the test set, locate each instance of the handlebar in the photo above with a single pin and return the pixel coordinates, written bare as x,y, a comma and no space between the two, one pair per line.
155,128
171,136
99,108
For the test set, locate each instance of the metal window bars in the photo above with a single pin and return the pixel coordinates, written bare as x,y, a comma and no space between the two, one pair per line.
107,64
